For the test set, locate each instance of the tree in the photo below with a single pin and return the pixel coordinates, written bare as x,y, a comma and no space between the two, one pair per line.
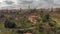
48,24
46,18
2,16
20,31
58,11
9,24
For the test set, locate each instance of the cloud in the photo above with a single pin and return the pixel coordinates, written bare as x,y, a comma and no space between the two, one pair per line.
57,1
32,3
8,2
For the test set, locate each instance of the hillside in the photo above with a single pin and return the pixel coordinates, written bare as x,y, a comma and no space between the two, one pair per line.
30,21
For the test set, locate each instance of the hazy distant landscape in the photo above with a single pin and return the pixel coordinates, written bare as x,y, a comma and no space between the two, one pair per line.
30,21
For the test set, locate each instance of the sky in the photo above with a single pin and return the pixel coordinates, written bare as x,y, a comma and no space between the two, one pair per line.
32,3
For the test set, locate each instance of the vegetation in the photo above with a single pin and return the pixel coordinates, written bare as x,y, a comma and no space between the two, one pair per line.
9,24
33,21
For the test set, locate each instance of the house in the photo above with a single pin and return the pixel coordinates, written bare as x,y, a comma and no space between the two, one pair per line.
32,18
